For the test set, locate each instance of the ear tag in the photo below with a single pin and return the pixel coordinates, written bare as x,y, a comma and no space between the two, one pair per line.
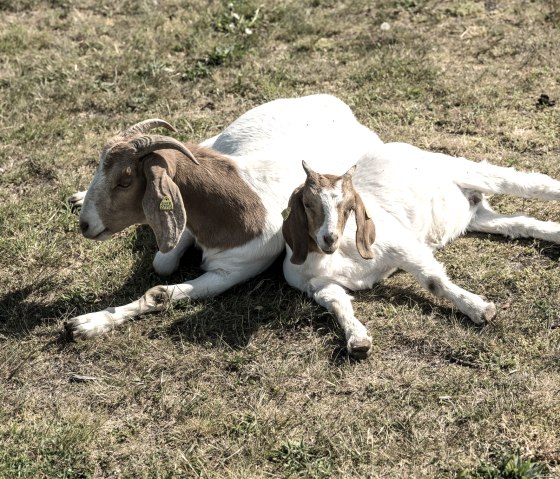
368,214
166,204
286,213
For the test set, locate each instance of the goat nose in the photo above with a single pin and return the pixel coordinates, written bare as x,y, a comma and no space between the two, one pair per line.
330,238
84,226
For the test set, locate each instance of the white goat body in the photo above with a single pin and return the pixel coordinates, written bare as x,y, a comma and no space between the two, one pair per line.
264,147
419,201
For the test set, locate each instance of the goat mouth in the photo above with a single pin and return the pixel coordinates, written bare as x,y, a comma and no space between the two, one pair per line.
102,236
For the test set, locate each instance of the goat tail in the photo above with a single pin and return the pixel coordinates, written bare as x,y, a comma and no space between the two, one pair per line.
488,178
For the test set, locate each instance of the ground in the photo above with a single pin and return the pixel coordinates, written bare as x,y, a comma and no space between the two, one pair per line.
256,383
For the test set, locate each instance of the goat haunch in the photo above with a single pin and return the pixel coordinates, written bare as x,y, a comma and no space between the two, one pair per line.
419,201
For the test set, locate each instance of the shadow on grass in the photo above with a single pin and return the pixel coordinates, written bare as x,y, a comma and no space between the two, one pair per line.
231,318
545,248
21,312
234,316
396,296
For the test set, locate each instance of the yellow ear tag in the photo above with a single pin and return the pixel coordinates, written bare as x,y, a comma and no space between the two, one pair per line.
166,204
368,214
286,213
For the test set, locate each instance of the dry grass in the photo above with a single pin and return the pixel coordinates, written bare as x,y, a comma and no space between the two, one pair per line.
255,383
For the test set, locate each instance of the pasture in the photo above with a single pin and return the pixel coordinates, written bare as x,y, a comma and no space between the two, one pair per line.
256,383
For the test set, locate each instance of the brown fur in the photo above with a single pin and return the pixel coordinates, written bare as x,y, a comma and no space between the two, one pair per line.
219,208
365,228
167,225
296,230
120,202
222,210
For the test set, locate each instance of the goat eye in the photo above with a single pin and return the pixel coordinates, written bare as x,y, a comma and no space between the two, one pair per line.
123,186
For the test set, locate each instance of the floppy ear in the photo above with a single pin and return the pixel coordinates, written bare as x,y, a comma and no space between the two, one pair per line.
294,227
365,231
163,207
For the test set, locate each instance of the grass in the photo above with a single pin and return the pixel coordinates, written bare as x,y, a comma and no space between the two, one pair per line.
256,383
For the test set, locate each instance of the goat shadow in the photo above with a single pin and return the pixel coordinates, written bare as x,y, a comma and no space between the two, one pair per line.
23,311
232,317
425,303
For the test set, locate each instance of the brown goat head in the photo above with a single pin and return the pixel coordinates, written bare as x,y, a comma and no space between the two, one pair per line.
317,214
134,184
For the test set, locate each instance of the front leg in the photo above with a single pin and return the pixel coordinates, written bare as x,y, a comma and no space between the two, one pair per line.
166,264
155,299
339,303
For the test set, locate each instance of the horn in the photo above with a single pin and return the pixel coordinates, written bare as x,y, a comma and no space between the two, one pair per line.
146,125
149,143
137,128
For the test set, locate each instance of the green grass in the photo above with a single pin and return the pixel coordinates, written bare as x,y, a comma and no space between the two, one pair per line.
256,383
509,467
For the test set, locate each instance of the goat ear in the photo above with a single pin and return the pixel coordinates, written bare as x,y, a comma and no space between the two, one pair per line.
311,175
365,231
350,172
294,227
163,207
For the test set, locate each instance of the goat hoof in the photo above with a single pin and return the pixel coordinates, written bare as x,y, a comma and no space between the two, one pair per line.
487,315
87,325
489,312
77,199
359,348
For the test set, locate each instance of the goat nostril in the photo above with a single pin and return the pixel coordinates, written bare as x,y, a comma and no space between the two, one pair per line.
84,226
330,239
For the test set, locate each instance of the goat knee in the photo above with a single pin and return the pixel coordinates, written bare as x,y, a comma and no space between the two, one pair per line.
154,299
434,285
165,264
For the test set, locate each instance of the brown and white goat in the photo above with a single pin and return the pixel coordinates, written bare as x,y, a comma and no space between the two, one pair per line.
419,201
227,194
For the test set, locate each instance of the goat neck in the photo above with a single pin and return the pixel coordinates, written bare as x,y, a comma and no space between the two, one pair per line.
223,211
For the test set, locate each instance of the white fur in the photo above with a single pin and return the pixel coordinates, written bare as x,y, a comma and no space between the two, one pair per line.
77,199
419,201
167,263
267,144
90,215
330,199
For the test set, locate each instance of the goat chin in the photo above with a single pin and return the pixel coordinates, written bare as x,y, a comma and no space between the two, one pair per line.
103,236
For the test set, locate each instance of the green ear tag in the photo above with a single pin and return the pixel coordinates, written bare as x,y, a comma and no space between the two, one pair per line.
286,213
166,204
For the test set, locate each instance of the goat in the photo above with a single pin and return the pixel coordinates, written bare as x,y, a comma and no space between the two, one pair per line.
225,194
406,202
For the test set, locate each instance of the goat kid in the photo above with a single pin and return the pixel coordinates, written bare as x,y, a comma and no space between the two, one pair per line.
225,194
419,202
